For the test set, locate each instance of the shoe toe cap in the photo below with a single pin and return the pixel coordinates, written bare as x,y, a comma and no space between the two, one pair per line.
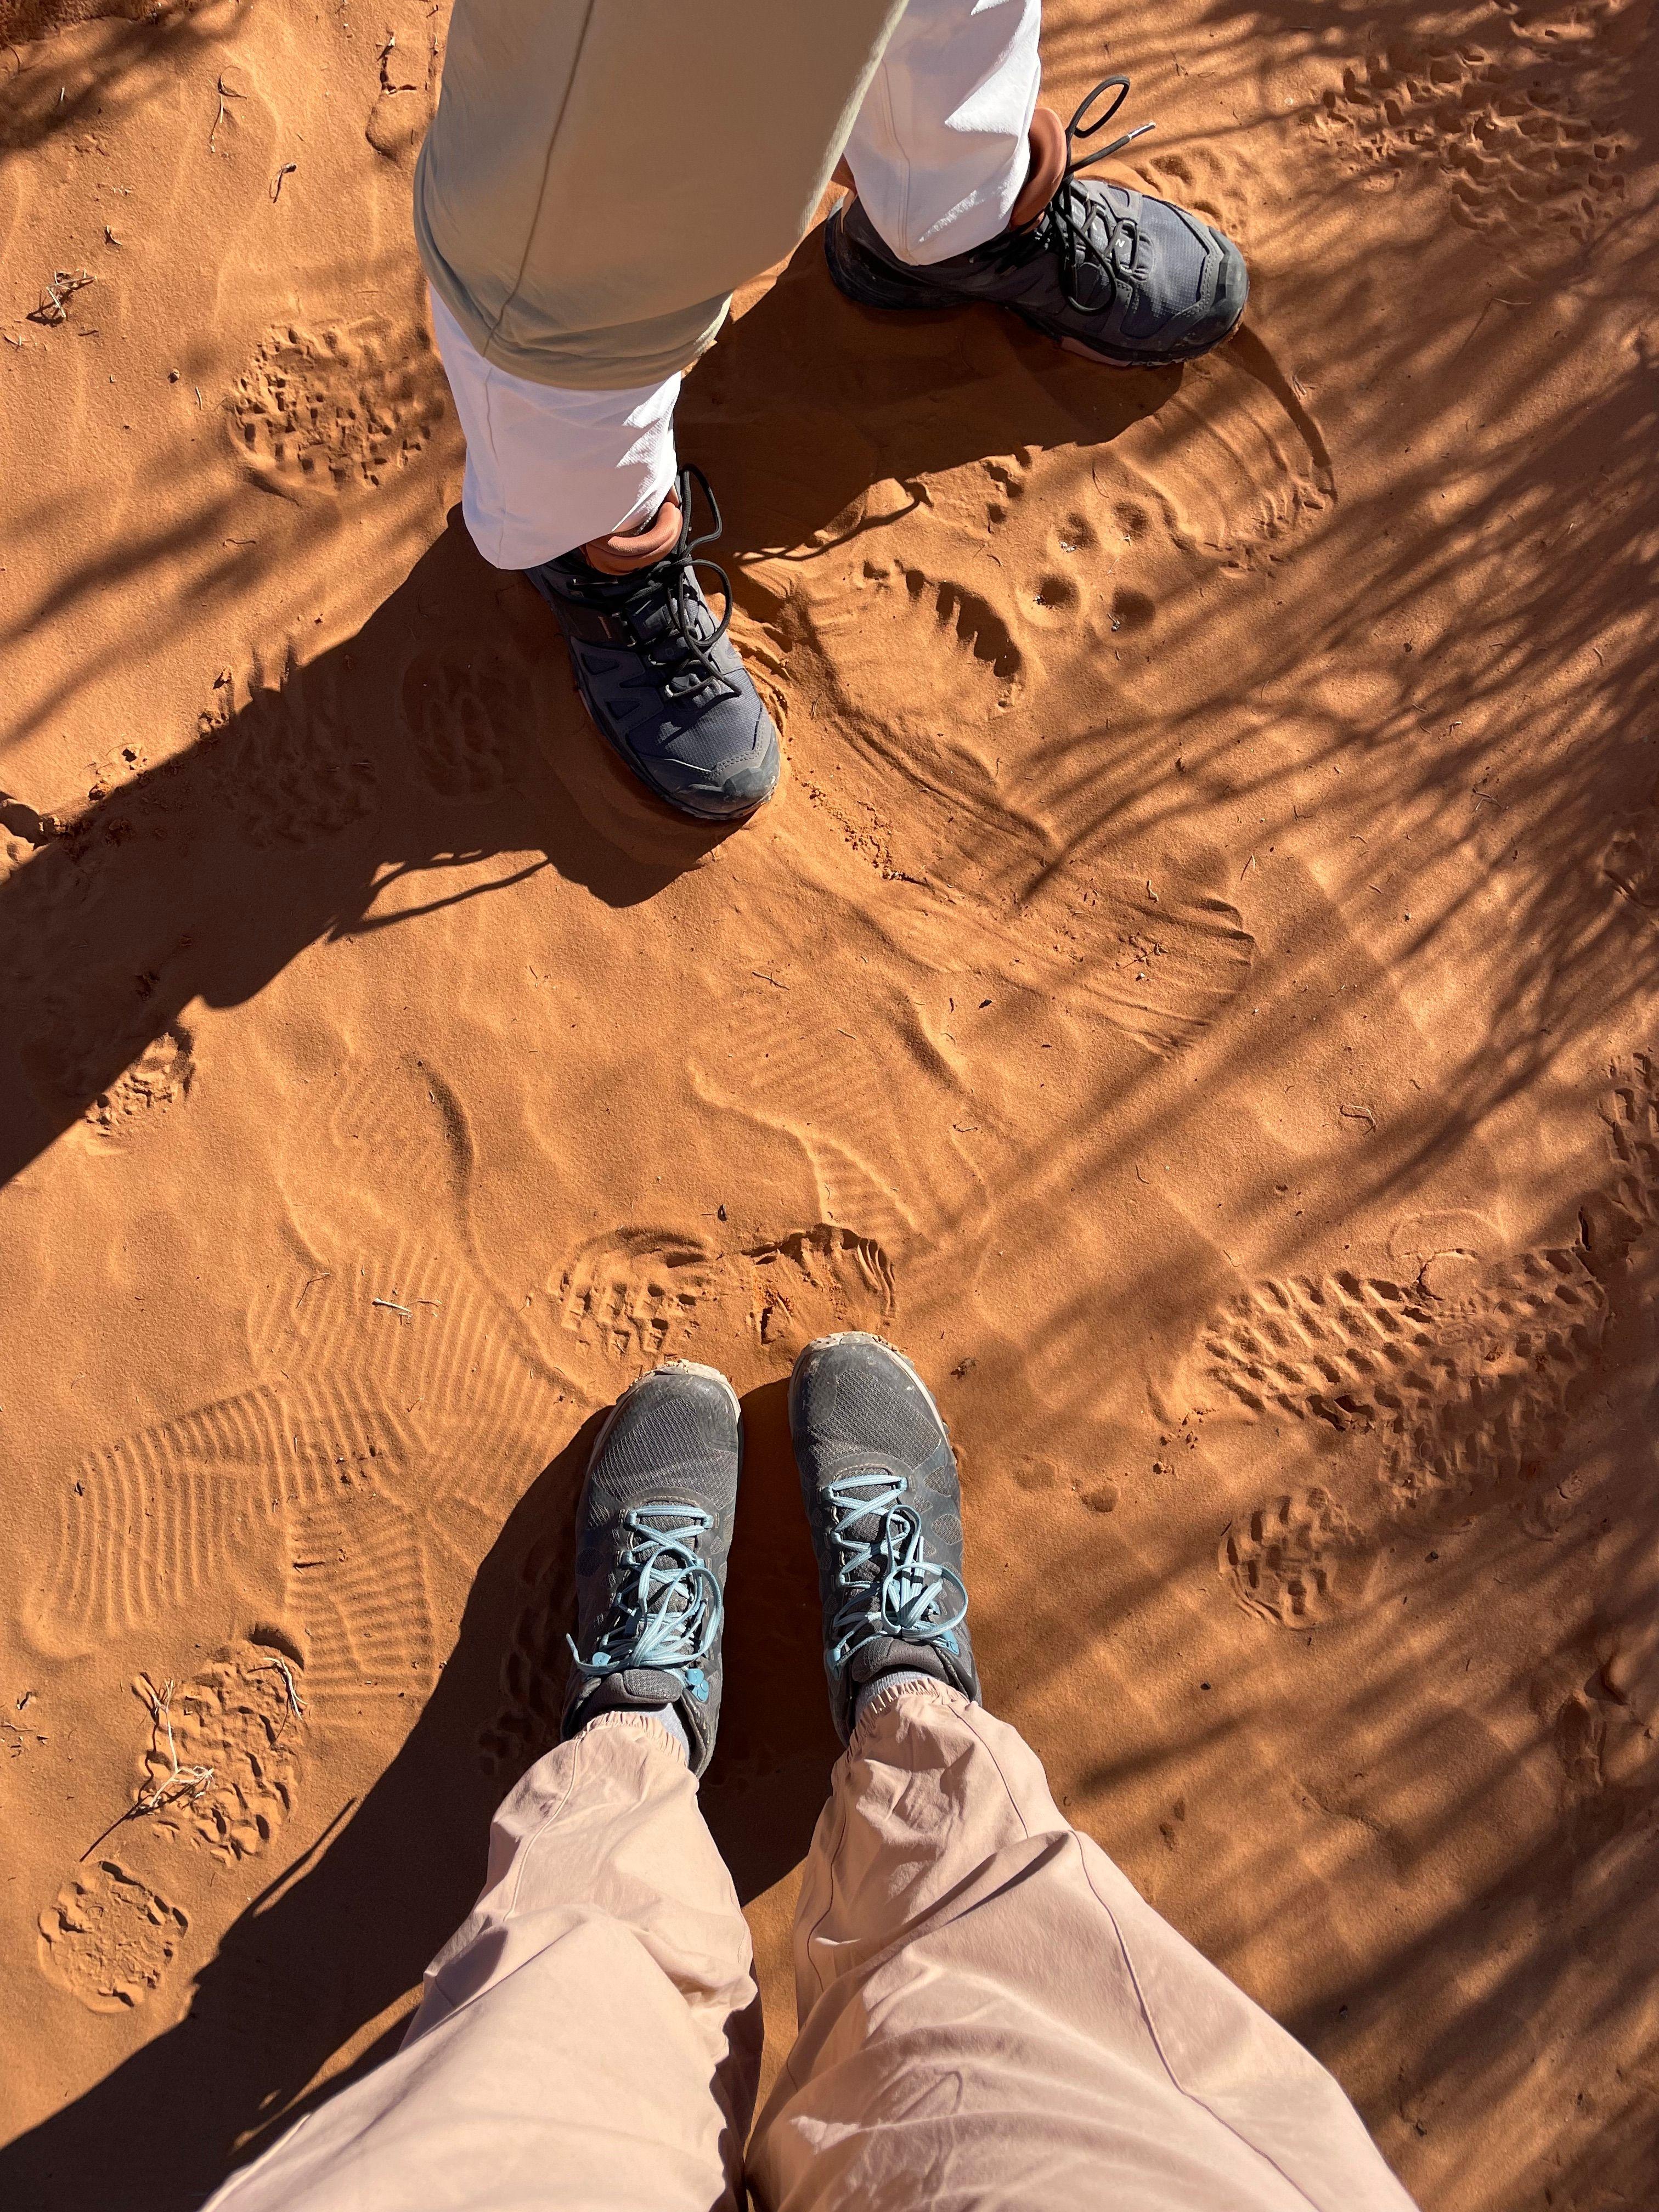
1232,290
736,782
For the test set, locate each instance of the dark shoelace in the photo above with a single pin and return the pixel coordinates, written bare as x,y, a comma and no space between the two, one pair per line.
1061,229
678,653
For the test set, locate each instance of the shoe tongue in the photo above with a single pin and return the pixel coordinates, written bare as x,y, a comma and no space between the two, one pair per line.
638,1687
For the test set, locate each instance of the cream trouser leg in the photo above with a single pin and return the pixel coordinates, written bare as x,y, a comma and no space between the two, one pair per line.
939,154
588,2039
991,2017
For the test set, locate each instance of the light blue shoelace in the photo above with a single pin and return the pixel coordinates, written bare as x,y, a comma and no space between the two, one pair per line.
666,1614
889,1586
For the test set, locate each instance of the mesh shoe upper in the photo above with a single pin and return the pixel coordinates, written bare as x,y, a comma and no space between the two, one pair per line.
653,1533
1111,271
664,683
883,1498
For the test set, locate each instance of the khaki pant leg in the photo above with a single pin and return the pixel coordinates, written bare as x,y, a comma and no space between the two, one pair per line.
992,2016
601,175
589,2039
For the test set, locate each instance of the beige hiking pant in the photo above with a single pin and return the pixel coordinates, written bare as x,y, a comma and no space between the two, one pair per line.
990,2016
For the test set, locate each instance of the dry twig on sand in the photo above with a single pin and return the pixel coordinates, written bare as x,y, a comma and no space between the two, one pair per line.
226,92
295,1704
183,1786
65,282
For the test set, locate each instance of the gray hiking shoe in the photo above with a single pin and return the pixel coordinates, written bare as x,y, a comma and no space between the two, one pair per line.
882,1495
653,1529
664,684
1115,274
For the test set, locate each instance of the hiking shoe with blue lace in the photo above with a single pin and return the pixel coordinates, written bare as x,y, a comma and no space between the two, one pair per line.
664,684
1118,275
879,1480
653,1530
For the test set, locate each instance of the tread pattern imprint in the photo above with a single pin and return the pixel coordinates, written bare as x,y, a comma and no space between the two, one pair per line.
1459,1385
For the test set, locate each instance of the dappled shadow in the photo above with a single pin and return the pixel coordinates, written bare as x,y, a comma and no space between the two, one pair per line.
810,408
1426,1847
59,82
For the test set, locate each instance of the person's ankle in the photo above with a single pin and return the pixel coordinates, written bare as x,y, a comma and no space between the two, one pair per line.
624,552
896,1677
1048,167
664,1717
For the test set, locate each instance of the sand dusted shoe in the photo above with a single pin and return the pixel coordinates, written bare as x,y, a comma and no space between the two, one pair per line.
879,1482
1115,274
653,1533
662,680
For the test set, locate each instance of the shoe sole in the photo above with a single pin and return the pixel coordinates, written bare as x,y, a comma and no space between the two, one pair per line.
870,291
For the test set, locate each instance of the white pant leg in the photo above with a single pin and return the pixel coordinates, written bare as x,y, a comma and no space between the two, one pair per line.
548,468
939,149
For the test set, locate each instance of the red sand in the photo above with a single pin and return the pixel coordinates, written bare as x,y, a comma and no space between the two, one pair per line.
1191,991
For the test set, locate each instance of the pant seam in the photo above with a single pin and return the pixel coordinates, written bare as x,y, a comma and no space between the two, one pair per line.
903,224
547,166
494,458
536,1834
1176,2081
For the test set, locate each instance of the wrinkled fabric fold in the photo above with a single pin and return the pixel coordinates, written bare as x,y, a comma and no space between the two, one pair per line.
990,2016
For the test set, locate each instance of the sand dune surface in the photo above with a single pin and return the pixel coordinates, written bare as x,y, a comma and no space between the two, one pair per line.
1196,990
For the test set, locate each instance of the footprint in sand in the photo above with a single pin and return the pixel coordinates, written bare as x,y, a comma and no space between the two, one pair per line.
238,1722
533,1665
906,1179
972,622
1295,1561
76,1041
110,1939
295,771
293,1502
408,66
361,1588
1233,463
1464,1376
460,714
1506,133
342,409
641,1295
1630,1112
1161,966
1631,861
978,885
159,1078
1460,1384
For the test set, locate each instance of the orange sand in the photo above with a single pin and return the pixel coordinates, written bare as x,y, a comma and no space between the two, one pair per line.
1191,991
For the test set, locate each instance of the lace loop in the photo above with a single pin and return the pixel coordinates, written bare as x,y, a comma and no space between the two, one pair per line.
1062,228
889,1588
667,1612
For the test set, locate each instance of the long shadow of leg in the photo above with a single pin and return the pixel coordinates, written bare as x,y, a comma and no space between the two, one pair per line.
332,1946
770,1772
